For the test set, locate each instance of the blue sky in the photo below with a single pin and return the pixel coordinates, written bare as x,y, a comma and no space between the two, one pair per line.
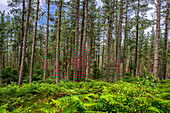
4,6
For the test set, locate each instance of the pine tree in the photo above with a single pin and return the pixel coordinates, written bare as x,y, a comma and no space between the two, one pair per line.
24,46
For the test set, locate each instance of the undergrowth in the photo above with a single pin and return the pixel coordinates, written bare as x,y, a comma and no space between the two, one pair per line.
132,96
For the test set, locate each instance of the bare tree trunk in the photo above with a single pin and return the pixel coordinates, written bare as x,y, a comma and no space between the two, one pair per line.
67,59
116,35
69,68
165,43
119,47
33,43
156,56
103,51
46,45
22,31
136,49
7,54
24,47
81,42
84,42
110,28
124,52
75,74
58,45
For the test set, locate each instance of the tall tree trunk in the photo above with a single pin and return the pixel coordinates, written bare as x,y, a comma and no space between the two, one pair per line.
33,43
103,51
116,35
58,45
165,43
81,42
67,59
7,54
109,42
124,52
76,60
156,56
136,49
84,43
119,46
22,31
69,69
24,47
90,53
46,45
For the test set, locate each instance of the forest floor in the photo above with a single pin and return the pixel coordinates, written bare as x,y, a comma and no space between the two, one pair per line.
134,95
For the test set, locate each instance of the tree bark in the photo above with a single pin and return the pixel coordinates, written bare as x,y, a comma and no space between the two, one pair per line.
156,56
81,43
103,51
84,41
75,74
22,31
24,47
33,43
165,43
58,45
124,52
46,45
109,42
136,49
119,46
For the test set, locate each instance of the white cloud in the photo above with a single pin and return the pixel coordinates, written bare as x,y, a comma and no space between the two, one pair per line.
4,6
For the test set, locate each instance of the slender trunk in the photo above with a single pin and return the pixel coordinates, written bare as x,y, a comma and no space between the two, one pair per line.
24,47
119,46
165,43
81,42
58,45
76,60
136,49
103,51
67,59
27,54
116,35
90,48
156,56
7,54
124,52
69,68
46,45
84,43
33,43
22,31
109,42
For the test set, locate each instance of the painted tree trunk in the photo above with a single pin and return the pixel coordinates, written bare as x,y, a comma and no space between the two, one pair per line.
33,43
119,46
156,56
46,45
58,45
24,46
76,58
109,43
165,43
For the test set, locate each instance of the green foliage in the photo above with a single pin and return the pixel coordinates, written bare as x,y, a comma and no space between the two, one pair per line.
9,75
141,95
